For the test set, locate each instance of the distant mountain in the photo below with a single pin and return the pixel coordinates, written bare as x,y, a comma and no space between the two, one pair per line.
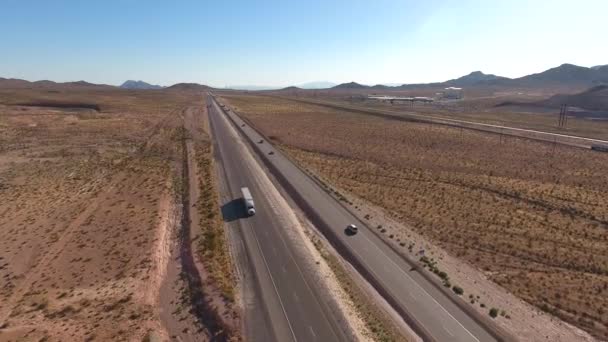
292,88
566,73
189,86
563,75
317,85
350,85
131,84
475,78
13,83
23,84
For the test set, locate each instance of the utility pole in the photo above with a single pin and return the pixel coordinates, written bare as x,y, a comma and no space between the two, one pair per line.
563,116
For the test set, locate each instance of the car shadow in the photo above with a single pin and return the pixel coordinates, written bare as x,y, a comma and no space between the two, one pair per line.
234,210
348,232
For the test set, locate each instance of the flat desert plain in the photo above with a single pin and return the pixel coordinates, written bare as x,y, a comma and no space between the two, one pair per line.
87,192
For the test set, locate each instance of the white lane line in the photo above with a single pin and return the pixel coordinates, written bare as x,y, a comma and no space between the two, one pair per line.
276,290
312,332
447,330
422,289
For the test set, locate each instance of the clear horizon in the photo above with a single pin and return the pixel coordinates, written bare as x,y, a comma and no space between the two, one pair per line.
277,44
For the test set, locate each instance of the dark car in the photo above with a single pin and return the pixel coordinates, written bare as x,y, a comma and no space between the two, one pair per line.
351,229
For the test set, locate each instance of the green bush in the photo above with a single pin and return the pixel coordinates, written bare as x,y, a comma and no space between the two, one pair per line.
493,312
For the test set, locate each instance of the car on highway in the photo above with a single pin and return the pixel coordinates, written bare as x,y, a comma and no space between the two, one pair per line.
351,229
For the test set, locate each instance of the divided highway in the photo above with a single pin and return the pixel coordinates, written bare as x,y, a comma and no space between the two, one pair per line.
289,295
432,313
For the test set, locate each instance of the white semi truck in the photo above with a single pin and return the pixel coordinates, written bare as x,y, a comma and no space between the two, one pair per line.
248,200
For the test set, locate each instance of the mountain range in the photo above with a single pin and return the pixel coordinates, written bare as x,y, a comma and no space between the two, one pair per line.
564,74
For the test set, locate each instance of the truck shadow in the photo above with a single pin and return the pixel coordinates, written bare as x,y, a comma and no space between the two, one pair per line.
234,210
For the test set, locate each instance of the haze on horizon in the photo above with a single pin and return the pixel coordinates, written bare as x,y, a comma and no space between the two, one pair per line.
277,43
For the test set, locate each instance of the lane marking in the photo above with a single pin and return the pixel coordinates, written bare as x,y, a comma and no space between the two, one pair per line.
312,332
421,288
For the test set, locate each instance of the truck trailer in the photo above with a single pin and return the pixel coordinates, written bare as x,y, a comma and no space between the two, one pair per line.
248,201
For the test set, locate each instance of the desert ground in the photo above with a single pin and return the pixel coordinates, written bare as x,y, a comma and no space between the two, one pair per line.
536,109
91,183
531,216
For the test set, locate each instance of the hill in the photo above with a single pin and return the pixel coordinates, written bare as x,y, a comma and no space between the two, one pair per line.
350,85
475,78
131,84
15,83
595,98
566,74
291,88
189,86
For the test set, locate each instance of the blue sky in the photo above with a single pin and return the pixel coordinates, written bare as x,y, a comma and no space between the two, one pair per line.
286,42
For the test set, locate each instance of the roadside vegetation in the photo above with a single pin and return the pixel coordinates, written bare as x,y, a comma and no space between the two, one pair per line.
531,215
212,245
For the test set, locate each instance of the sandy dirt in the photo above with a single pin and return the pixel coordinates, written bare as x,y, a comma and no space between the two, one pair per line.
87,214
525,321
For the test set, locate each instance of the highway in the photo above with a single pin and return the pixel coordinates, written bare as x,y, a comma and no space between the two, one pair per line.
291,297
434,315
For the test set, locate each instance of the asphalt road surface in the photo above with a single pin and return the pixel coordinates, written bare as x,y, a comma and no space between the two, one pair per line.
291,297
439,317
